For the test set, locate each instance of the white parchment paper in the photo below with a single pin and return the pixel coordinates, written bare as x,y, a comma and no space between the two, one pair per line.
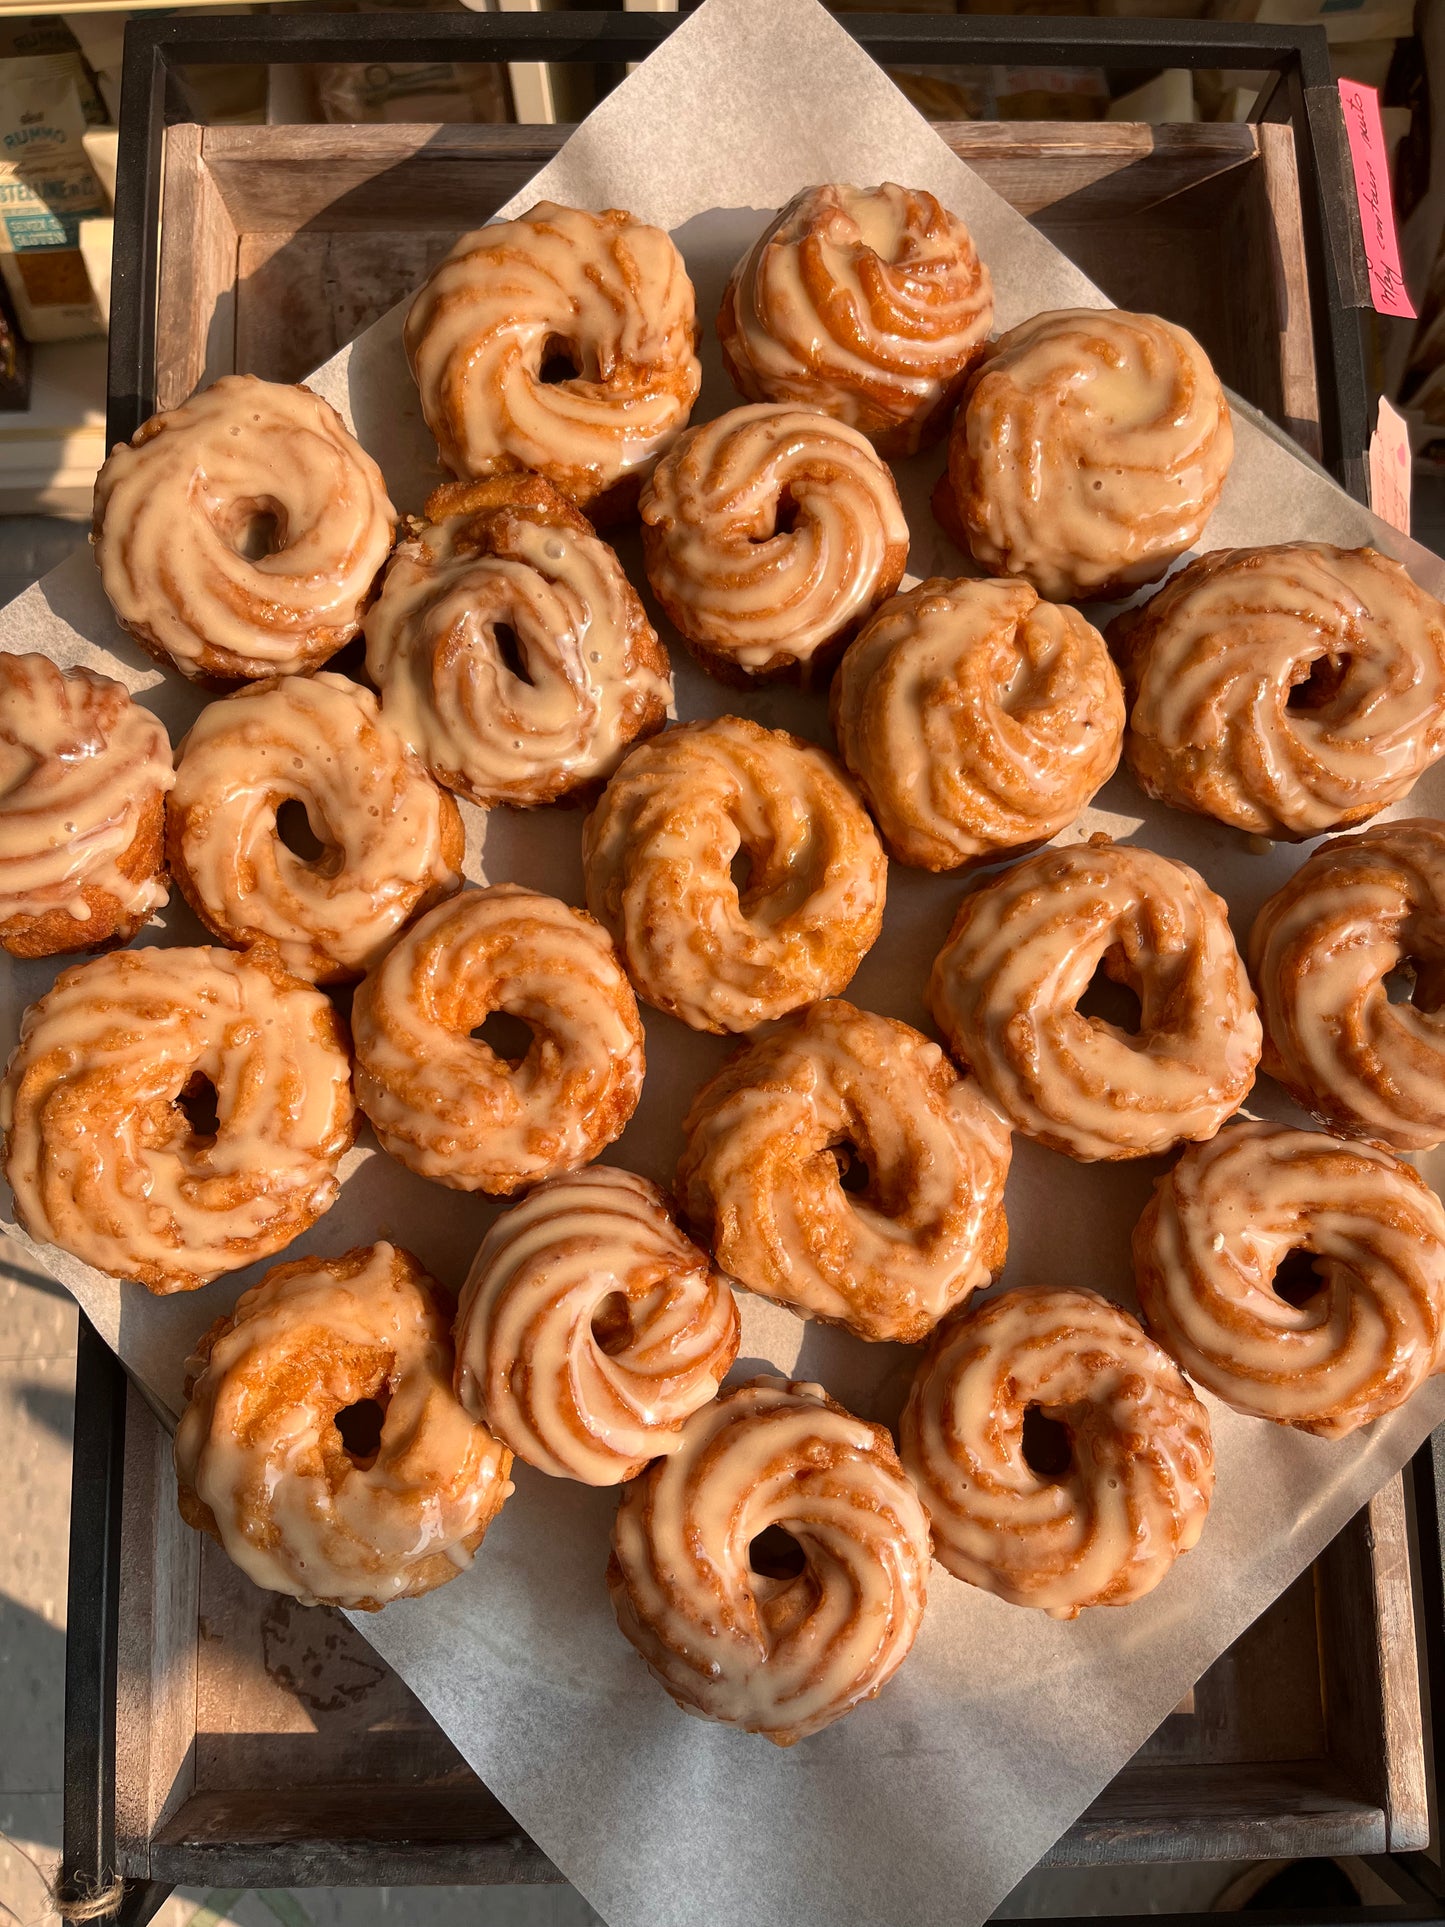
929,1804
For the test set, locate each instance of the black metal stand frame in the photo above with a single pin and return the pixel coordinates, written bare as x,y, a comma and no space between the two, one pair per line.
1300,91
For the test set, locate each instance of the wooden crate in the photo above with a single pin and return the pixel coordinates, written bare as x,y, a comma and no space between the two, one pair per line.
261,1743
279,244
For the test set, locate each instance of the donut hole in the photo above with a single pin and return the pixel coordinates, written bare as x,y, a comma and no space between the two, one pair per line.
1048,1448
1298,1279
199,1104
1109,1000
1414,981
360,1425
787,514
560,362
508,1038
854,1176
299,834
511,653
741,871
1315,685
612,1324
776,1554
256,527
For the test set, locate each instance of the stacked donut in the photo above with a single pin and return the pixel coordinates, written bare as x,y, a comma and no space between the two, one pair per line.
174,1113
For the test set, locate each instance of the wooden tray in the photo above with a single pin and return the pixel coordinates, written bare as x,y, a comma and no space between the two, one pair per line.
279,244
262,1744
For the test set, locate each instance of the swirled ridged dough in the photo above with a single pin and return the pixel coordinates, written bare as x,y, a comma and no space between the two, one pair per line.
869,303
183,512
1322,953
784,1657
513,554
1134,1488
590,1329
606,292
441,1100
1024,949
83,776
977,720
1288,690
101,1156
1207,1256
1089,451
836,1092
658,852
262,1462
391,840
770,534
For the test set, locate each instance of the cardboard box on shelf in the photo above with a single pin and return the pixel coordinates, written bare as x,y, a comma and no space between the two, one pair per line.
1342,20
1050,93
434,91
948,93
47,188
51,450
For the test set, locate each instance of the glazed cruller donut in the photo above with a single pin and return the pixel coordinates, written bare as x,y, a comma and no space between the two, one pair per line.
1329,1351
442,1101
1323,952
977,720
240,534
1286,690
588,674
781,1656
322,1444
869,303
590,1329
659,851
836,1093
83,777
1089,450
604,291
1122,1484
101,1152
390,841
770,535
1005,991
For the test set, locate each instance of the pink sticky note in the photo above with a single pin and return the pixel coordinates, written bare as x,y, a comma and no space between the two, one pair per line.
1371,163
1390,468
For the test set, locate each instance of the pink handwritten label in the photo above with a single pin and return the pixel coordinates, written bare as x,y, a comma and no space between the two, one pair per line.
1371,163
1390,468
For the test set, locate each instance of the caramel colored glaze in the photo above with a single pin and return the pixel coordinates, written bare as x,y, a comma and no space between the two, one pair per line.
1286,691
178,507
442,1101
784,1657
605,291
100,1154
1209,1246
977,720
83,774
1089,451
770,535
514,552
590,1329
658,853
392,841
869,303
1024,949
1322,953
261,1461
1105,1528
770,1140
